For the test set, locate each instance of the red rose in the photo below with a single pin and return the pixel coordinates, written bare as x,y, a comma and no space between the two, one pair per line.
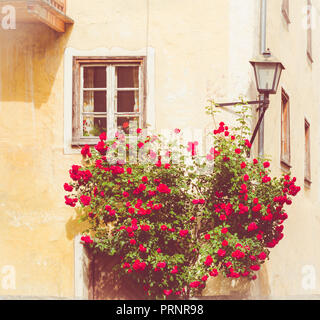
194,284
204,278
85,200
221,253
132,241
224,243
167,292
67,187
247,143
103,136
244,188
129,170
125,194
255,161
142,248
85,151
183,233
86,239
255,267
162,188
243,165
266,179
161,265
238,151
208,261
224,230
164,227
174,270
262,255
237,254
256,208
144,179
207,236
167,166
213,273
245,177
252,226
131,210
145,227
266,164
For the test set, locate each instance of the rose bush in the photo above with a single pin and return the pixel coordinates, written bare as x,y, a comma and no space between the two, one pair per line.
176,222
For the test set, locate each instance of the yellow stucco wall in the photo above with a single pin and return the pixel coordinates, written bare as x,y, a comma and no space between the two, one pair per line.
201,52
300,80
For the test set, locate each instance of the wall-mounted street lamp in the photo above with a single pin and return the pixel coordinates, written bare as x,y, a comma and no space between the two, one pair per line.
267,70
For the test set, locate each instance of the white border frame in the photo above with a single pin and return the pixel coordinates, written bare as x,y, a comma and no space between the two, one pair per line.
80,259
69,53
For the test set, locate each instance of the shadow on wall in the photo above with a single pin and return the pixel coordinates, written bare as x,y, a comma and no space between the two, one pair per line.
30,57
104,283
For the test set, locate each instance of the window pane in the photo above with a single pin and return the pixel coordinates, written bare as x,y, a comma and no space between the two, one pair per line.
95,101
307,166
285,129
128,101
93,126
128,77
123,123
94,77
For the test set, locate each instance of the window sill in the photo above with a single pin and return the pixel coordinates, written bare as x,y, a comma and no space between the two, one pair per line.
286,16
307,182
309,55
285,166
79,143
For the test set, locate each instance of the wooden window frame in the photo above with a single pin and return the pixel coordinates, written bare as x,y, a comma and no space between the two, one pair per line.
309,30
77,89
285,136
285,10
307,156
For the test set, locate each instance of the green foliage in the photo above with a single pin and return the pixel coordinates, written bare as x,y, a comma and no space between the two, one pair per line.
174,224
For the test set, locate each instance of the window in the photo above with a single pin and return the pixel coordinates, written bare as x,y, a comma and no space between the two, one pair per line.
309,31
285,129
108,95
307,164
285,10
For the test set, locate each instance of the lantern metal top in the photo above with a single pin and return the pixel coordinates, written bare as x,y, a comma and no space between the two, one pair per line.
266,57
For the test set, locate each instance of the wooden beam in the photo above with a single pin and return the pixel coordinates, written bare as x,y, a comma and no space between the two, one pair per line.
47,17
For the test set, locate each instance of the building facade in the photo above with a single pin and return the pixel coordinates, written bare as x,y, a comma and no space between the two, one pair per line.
164,60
